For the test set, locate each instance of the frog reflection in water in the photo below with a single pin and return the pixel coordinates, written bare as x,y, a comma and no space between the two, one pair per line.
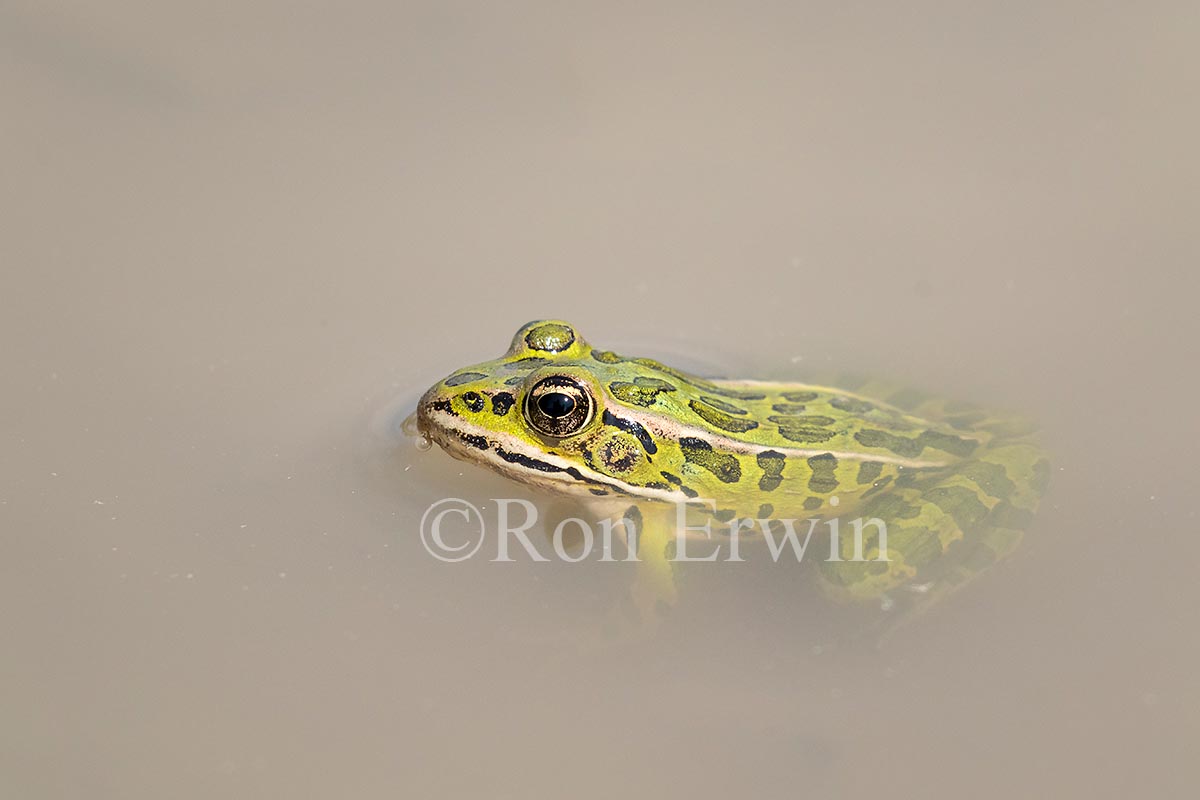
955,485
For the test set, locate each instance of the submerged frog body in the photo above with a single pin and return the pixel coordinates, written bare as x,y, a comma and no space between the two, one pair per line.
955,485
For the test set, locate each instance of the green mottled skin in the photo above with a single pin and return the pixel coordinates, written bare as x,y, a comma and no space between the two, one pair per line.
956,485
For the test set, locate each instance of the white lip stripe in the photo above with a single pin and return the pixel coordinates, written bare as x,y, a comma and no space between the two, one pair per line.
515,446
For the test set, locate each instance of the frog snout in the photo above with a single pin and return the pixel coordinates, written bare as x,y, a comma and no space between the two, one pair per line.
431,403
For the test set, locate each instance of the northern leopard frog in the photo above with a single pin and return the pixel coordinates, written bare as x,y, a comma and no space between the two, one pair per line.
956,485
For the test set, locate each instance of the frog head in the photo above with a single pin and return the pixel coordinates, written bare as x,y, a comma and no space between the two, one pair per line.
540,414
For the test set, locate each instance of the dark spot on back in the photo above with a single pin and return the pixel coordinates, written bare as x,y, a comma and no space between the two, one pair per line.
736,394
955,445
992,478
771,462
721,420
641,392
728,408
910,448
463,377
794,420
889,441
823,478
1006,515
699,383
723,465
851,405
960,503
807,428
527,363
806,433
868,471
789,408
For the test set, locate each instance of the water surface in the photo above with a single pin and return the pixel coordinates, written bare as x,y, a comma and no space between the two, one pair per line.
239,241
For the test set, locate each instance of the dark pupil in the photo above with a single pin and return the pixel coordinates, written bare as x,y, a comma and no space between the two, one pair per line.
556,404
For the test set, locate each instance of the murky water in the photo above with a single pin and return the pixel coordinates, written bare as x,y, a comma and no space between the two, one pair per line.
240,242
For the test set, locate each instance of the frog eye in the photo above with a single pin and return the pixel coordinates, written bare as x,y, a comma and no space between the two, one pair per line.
558,406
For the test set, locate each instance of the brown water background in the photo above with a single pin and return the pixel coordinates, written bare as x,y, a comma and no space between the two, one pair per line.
240,239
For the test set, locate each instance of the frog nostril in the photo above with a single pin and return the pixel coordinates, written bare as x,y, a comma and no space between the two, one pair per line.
473,401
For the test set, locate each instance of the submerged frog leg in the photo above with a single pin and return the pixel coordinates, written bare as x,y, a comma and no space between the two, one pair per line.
639,606
654,592
944,526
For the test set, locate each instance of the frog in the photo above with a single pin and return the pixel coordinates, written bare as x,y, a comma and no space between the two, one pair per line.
954,485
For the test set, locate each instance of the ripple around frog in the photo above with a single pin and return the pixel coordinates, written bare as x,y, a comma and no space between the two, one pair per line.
410,429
